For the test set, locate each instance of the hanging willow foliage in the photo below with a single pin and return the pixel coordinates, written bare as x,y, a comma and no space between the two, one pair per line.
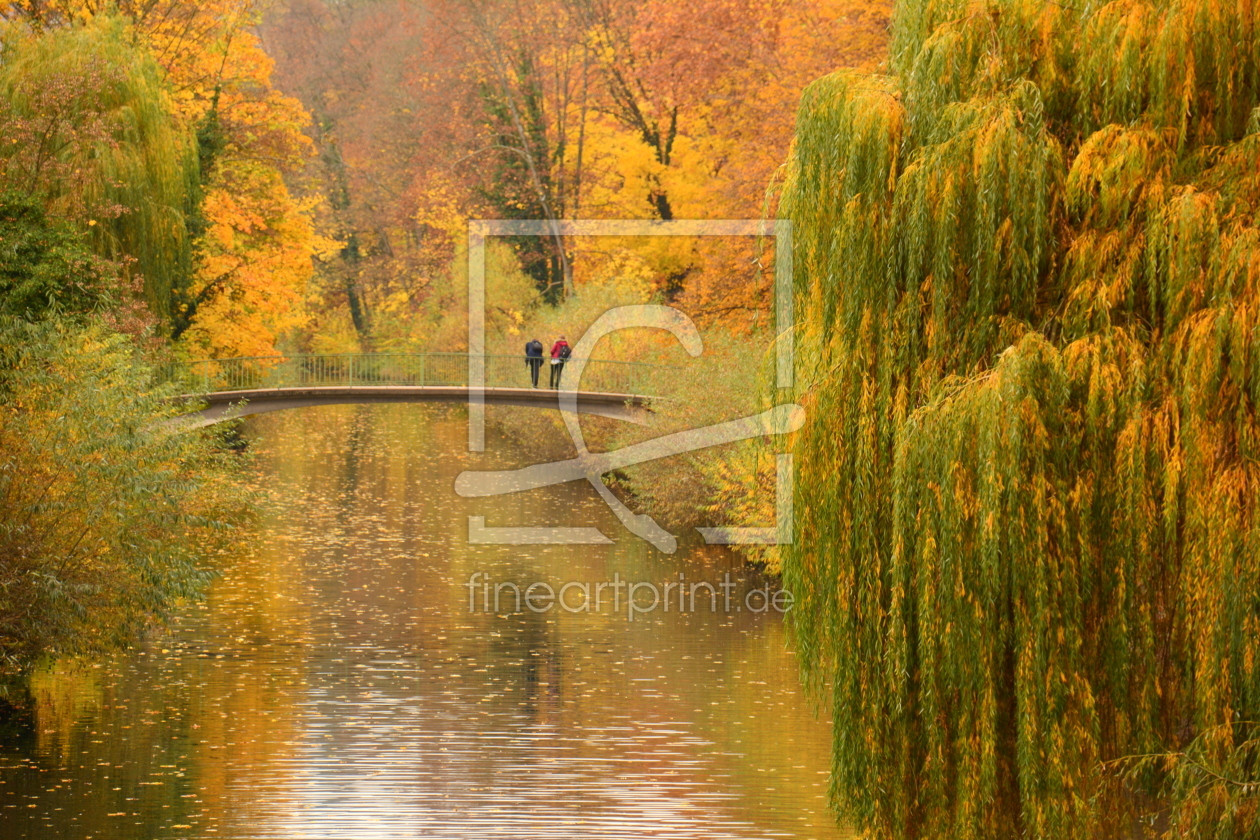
91,133
1027,543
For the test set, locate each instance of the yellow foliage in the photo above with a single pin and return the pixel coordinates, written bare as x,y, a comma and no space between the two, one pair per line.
258,244
254,256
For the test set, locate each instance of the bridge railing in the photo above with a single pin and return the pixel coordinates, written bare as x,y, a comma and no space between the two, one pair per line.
294,371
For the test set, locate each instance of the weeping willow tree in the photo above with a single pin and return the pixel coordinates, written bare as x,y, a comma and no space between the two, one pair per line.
1027,559
89,131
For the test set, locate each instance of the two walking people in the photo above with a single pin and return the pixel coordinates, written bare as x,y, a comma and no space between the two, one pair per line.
560,352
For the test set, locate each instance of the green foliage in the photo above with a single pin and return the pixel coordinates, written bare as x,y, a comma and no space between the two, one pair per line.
90,134
1027,501
105,520
1213,780
47,266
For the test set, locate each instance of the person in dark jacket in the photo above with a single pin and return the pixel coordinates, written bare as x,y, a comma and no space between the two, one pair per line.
534,358
560,352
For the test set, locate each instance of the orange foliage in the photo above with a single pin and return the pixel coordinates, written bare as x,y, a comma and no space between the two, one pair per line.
625,109
255,257
649,110
735,71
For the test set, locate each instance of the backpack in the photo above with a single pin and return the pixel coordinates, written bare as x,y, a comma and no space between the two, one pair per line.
566,351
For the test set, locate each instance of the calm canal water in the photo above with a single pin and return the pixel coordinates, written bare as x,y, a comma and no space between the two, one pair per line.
336,684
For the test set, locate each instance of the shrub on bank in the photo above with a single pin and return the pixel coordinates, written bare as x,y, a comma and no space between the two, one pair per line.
105,520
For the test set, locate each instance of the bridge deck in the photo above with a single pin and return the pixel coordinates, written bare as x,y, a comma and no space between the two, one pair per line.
223,405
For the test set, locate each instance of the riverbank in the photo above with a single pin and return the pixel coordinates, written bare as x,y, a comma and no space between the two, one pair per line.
729,485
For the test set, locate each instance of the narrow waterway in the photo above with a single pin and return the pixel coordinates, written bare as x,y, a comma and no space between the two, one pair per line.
336,682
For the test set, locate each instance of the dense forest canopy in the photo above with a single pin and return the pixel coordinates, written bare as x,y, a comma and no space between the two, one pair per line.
427,114
321,158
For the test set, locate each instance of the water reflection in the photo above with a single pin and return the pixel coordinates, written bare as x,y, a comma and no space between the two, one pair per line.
336,684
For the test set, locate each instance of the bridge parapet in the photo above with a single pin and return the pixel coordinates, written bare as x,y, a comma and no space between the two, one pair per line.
401,369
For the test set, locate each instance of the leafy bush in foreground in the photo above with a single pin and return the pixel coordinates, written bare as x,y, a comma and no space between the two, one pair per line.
105,520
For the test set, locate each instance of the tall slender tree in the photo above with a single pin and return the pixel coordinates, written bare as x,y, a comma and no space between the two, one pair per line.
528,65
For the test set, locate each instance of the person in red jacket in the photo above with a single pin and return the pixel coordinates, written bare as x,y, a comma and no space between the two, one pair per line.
560,352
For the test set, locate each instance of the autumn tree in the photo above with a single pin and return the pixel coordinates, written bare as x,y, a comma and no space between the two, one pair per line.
427,114
91,136
1026,546
528,67
256,240
729,75
105,527
360,69
202,214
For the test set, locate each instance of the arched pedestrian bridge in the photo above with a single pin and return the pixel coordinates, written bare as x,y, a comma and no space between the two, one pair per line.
229,388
